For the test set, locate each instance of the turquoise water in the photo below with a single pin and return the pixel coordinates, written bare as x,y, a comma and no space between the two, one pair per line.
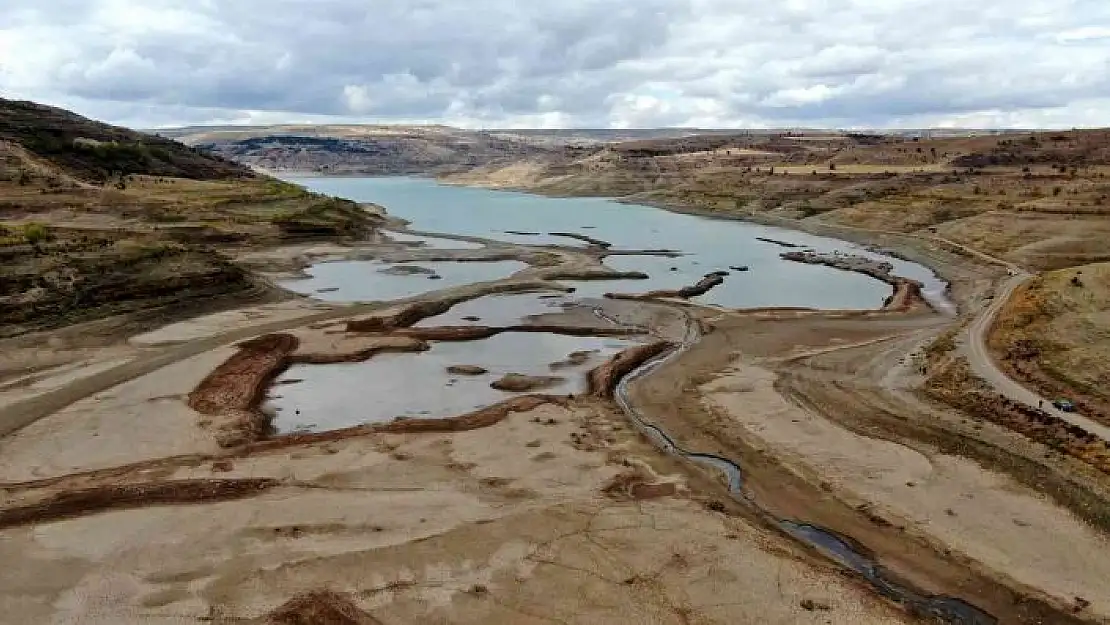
708,244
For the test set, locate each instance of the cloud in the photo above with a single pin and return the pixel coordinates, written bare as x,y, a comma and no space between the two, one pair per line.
585,63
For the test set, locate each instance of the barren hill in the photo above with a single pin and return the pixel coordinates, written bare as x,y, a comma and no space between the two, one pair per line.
97,220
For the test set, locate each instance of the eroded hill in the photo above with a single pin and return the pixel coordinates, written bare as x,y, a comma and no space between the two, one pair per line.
98,220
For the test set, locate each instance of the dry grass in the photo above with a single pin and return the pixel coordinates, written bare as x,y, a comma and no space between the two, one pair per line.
1055,334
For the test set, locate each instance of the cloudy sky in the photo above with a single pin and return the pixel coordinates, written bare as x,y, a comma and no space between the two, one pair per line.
565,63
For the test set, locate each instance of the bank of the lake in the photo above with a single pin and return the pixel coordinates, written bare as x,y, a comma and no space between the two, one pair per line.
758,276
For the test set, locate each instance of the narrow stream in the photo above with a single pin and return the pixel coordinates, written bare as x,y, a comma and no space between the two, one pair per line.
841,549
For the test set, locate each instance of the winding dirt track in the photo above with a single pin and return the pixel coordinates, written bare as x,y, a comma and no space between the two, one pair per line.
979,357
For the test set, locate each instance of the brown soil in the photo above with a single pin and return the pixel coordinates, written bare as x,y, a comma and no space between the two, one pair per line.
574,359
233,392
954,385
481,418
1050,335
475,333
519,383
391,344
403,318
811,482
318,608
410,314
466,370
237,384
702,287
76,503
603,379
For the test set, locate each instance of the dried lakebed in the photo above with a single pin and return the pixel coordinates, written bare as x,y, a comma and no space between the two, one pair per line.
455,377
842,549
467,503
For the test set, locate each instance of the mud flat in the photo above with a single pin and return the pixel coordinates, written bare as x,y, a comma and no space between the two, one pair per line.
475,516
701,287
498,526
792,439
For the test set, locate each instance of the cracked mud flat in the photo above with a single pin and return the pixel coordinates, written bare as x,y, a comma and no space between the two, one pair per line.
539,510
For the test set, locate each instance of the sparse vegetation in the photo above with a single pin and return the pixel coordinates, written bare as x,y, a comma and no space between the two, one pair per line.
35,233
151,208
1049,334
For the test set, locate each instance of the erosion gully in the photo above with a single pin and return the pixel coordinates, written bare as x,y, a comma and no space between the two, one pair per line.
839,548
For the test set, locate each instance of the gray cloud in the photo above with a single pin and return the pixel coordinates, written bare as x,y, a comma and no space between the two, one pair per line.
869,63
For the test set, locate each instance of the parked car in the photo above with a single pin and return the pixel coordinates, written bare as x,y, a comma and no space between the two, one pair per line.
1064,404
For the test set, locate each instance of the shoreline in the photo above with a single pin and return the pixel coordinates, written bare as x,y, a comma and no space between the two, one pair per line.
827,510
906,247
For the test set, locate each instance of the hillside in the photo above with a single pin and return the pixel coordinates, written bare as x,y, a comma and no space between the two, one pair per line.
1053,334
98,220
94,152
1038,199
402,150
374,150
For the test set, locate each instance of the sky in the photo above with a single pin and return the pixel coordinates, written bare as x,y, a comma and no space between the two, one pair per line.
565,63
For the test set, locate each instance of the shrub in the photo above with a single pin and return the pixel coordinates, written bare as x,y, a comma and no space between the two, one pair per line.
35,233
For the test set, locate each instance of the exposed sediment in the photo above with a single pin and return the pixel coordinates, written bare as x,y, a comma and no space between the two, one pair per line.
411,314
475,333
519,383
408,315
467,370
597,274
701,287
237,383
603,379
322,607
581,237
907,292
573,359
777,242
116,497
476,420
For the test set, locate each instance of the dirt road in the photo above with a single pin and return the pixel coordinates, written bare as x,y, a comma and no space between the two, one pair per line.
979,357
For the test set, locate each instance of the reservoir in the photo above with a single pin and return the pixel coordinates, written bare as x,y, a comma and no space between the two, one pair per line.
706,245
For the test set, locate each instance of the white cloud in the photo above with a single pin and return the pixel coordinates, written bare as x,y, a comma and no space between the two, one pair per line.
357,98
726,63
